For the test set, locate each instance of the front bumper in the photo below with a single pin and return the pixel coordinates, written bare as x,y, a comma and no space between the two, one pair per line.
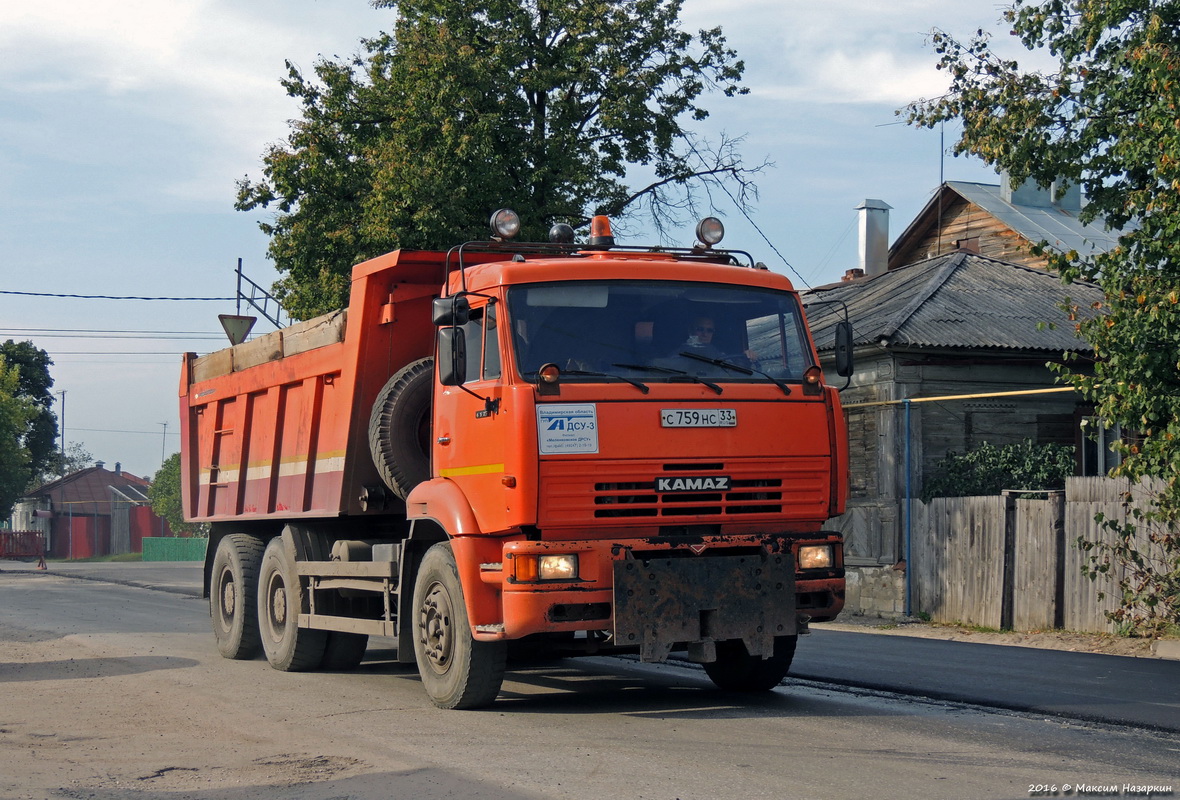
654,596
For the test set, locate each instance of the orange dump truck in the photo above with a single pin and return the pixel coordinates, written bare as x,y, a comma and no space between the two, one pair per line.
509,447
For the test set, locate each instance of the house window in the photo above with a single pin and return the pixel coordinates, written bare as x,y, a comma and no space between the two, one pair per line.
970,245
1098,455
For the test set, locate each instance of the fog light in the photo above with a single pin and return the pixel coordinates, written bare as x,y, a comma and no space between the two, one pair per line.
817,556
558,568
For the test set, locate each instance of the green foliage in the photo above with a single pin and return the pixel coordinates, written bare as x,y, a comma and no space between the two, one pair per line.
987,469
1106,119
465,108
164,494
16,413
35,384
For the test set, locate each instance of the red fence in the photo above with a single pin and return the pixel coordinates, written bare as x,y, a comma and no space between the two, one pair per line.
22,544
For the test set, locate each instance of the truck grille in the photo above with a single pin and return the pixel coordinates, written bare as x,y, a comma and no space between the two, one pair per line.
575,493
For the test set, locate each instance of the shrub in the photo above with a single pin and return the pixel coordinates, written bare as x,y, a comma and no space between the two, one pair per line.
987,469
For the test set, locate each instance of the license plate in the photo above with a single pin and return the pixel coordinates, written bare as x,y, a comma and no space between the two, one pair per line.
698,418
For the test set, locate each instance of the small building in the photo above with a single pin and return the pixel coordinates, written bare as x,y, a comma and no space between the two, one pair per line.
92,512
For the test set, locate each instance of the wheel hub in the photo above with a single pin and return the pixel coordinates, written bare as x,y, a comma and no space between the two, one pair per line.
437,635
229,597
278,606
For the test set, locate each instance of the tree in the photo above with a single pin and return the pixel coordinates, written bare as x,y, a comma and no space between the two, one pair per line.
539,106
35,384
164,494
1104,119
16,412
77,458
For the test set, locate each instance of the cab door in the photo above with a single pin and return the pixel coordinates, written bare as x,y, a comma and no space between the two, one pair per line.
472,434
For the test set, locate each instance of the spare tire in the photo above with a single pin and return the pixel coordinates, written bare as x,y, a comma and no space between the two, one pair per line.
399,427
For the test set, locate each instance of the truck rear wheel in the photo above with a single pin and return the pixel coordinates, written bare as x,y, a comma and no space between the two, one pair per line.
232,588
735,670
457,671
399,427
344,651
280,600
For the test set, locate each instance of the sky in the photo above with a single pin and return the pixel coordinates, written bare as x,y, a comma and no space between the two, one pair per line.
124,125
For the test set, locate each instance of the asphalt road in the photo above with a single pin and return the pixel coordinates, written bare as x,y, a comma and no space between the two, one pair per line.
109,690
1085,686
1142,692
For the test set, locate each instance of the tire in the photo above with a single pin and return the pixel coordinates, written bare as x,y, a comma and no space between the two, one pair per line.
399,427
456,670
735,670
232,588
280,600
344,651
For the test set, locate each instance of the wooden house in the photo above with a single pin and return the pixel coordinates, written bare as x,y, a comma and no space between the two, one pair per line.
955,329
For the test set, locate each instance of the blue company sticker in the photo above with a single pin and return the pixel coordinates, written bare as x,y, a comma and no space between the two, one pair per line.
567,428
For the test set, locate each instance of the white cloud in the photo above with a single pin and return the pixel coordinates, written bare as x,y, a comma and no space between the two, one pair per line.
839,76
202,75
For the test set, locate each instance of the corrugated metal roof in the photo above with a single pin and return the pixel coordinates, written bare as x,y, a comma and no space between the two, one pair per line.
958,300
1059,227
88,491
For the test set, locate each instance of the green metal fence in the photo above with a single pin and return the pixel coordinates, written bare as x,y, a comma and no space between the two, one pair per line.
159,548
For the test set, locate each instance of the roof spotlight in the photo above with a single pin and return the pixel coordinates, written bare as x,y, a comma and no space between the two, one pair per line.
505,223
710,231
561,233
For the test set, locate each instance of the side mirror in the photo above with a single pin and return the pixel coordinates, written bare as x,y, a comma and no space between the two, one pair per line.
452,356
844,349
453,310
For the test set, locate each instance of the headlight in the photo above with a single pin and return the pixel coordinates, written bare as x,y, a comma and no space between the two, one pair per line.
558,568
531,568
815,556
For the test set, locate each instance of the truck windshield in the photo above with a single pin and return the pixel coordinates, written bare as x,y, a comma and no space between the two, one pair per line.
658,331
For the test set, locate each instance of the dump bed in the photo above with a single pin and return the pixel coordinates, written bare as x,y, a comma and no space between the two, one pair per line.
277,427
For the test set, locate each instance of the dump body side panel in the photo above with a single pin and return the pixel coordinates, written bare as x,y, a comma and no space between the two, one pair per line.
277,428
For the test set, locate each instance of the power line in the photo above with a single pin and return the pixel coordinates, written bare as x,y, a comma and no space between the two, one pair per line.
109,430
112,297
132,337
106,330
114,352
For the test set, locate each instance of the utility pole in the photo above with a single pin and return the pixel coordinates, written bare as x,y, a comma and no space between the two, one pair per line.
62,394
163,442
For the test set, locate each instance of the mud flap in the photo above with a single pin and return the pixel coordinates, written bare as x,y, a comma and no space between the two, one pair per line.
662,602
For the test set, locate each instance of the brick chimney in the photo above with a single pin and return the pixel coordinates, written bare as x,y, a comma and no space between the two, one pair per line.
874,236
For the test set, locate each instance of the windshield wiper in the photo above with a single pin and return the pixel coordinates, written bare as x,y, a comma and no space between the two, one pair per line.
737,368
678,373
591,374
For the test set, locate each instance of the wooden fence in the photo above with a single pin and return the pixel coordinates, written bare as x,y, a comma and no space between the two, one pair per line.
1013,562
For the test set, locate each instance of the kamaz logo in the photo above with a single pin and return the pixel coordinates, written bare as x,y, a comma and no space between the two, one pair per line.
717,483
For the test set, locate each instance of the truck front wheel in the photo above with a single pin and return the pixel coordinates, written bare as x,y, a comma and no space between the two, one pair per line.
457,671
232,588
735,670
280,599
